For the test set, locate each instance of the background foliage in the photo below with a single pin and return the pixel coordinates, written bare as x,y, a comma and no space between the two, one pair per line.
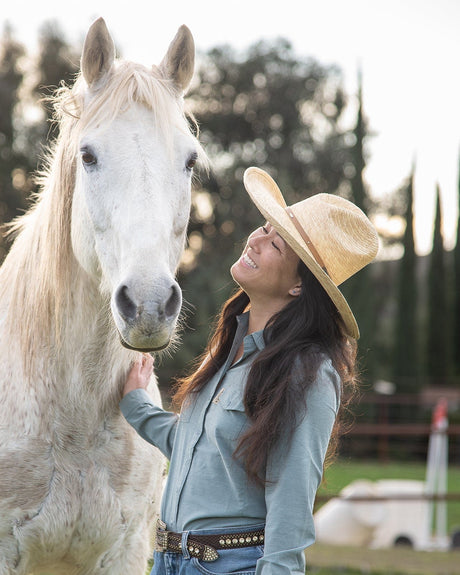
271,108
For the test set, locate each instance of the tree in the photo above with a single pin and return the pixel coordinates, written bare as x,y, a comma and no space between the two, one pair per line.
405,355
437,356
456,292
269,109
57,64
359,289
22,139
13,182
359,193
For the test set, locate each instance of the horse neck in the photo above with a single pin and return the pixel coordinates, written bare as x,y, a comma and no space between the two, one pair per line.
56,315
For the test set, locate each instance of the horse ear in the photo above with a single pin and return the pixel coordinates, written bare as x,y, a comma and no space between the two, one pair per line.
179,62
98,52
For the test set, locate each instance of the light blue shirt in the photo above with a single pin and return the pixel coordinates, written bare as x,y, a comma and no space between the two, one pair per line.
208,488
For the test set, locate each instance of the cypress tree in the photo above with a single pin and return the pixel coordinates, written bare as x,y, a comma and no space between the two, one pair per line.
456,292
437,367
359,289
358,188
405,340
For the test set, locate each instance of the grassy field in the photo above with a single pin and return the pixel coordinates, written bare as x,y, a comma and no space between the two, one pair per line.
341,473
334,560
327,560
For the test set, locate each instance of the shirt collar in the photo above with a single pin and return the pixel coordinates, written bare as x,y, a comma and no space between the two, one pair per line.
253,340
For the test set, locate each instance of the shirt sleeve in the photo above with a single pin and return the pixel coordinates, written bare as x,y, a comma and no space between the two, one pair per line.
152,423
294,472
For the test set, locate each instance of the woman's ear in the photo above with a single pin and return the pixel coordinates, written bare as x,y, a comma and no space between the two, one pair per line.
295,291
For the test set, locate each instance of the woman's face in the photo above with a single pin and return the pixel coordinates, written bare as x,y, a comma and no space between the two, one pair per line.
267,268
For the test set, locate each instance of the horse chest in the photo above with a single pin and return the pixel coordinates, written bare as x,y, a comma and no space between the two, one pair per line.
79,492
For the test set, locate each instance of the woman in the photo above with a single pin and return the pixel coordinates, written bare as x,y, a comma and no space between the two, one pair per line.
247,451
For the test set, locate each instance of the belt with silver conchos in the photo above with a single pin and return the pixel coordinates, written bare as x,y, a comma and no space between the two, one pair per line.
205,547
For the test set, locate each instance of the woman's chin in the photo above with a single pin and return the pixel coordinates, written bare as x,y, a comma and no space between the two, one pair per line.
234,270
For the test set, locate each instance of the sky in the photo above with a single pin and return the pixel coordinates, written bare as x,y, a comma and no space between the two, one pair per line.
408,52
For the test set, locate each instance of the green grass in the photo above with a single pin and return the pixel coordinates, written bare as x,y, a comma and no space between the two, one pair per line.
325,559
345,571
341,473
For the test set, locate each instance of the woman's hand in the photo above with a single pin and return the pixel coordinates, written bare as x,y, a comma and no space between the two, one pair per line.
140,374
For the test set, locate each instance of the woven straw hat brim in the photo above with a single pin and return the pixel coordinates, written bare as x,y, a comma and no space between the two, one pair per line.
269,200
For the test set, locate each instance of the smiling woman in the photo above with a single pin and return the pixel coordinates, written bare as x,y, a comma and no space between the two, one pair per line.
268,272
247,450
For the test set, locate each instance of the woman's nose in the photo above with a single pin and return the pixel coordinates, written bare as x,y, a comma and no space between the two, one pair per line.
254,241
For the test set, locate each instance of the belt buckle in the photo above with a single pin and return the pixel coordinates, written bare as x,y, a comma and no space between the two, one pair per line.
161,539
209,553
202,551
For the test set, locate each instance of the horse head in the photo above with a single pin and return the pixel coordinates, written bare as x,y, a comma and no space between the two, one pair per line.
135,155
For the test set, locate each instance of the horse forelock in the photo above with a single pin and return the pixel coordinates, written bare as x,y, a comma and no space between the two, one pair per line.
127,83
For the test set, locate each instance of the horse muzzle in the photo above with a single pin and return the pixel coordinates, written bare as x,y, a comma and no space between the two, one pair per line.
146,317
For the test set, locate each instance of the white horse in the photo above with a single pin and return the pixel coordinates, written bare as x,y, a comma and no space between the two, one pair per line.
89,280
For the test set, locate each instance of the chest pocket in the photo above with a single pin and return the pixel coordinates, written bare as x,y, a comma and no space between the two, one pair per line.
231,401
230,419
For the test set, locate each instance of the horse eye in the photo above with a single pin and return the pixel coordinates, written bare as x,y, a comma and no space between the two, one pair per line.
192,161
88,158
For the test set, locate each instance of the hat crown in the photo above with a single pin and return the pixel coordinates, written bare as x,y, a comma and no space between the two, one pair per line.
340,232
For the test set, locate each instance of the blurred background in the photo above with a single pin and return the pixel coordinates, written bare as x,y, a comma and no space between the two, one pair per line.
354,98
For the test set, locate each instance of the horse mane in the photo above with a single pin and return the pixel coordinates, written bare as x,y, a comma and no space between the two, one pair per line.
36,274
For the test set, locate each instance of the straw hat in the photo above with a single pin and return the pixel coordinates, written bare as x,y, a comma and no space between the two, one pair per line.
332,236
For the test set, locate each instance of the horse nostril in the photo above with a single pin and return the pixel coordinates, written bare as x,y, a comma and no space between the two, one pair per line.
133,308
174,302
125,304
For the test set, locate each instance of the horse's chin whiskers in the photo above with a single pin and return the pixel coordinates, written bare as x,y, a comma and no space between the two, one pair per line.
174,343
187,310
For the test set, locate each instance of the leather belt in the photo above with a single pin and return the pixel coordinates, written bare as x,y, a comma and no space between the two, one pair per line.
205,547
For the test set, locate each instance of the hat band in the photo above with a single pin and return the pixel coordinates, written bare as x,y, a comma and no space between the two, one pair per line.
306,239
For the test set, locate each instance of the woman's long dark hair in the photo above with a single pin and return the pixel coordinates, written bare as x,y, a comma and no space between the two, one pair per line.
301,334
